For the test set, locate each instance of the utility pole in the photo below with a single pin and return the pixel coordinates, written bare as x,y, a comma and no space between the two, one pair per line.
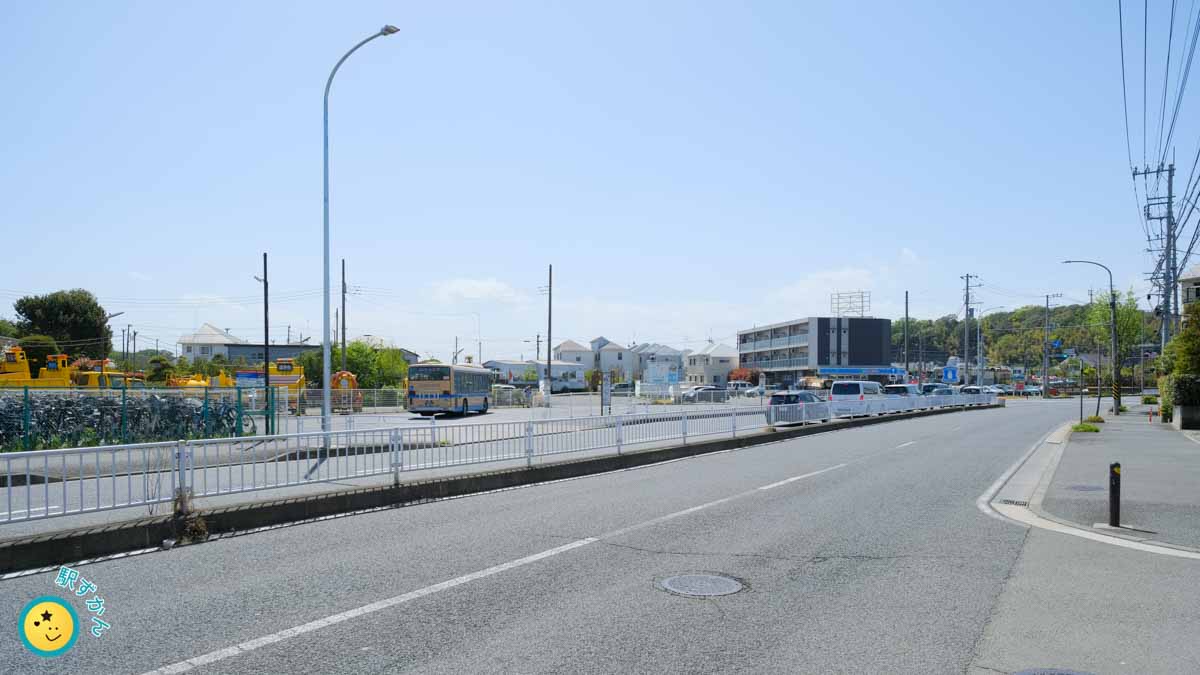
343,313
266,346
966,346
549,342
1169,261
1046,348
289,338
454,357
906,335
133,355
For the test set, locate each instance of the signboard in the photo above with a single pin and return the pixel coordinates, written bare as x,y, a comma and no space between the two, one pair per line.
1018,374
1057,344
661,373
606,392
1020,386
860,371
950,374
1068,353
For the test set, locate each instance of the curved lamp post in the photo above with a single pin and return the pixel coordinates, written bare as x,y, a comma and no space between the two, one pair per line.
1116,354
326,417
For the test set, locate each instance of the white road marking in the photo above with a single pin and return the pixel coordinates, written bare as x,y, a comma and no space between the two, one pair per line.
251,645
904,445
796,478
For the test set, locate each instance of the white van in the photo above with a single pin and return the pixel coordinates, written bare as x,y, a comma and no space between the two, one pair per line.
855,390
847,397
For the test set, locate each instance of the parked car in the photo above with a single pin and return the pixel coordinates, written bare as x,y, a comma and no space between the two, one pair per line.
796,413
941,391
930,387
902,390
791,397
622,389
706,394
972,389
738,387
854,390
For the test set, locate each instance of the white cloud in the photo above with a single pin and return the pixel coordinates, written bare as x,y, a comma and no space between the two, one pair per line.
476,290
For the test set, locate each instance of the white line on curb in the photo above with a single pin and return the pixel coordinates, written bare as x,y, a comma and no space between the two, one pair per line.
904,445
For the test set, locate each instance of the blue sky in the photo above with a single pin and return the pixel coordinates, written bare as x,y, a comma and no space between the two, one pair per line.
689,168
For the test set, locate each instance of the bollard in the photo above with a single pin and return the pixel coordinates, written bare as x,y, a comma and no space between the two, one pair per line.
1114,494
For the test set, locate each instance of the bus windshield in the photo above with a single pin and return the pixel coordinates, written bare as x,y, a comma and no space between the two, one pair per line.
428,373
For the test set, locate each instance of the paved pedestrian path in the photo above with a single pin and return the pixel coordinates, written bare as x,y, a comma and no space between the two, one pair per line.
1160,477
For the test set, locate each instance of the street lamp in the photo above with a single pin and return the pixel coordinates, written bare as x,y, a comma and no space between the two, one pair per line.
1116,354
326,416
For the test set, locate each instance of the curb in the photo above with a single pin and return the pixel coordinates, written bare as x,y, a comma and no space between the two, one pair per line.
63,546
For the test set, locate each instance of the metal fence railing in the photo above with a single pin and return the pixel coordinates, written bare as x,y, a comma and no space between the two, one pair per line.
50,483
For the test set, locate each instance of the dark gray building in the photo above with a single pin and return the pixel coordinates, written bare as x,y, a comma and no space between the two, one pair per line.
253,353
828,348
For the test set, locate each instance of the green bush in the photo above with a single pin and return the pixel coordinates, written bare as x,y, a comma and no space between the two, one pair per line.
1094,419
1150,400
1185,390
1084,427
1123,408
1166,408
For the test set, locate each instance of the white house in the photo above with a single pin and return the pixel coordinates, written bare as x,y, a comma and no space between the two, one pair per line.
613,358
711,365
207,342
571,351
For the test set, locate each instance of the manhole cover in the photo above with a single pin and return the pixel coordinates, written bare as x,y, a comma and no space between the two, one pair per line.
1082,488
1051,671
701,585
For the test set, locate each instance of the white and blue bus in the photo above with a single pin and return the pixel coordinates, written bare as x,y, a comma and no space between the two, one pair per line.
439,388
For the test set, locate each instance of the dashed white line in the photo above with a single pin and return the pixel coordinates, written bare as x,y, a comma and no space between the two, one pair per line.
904,445
796,478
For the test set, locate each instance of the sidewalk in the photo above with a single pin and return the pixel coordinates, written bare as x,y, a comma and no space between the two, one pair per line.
1160,477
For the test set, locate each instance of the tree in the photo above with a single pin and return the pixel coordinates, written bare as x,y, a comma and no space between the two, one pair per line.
1186,345
37,348
530,375
9,329
745,375
73,317
374,368
160,369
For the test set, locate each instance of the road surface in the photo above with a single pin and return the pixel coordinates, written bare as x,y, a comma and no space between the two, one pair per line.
859,550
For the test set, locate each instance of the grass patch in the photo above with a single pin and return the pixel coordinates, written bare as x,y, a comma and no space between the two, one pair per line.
1094,419
1085,427
1123,408
1150,400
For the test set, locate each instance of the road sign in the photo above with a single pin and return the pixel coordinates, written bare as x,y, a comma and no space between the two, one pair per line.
1057,344
1069,353
950,374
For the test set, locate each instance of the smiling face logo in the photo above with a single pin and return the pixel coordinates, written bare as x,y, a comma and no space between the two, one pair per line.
48,626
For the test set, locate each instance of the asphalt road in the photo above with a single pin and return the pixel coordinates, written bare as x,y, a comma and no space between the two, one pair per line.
861,551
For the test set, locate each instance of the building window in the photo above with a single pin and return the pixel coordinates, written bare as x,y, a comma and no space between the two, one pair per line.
205,350
619,355
716,379
187,349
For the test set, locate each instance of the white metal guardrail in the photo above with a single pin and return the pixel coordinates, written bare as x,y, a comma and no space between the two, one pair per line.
52,483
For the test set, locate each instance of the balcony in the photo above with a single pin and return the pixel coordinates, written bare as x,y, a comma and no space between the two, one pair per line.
775,364
774,343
